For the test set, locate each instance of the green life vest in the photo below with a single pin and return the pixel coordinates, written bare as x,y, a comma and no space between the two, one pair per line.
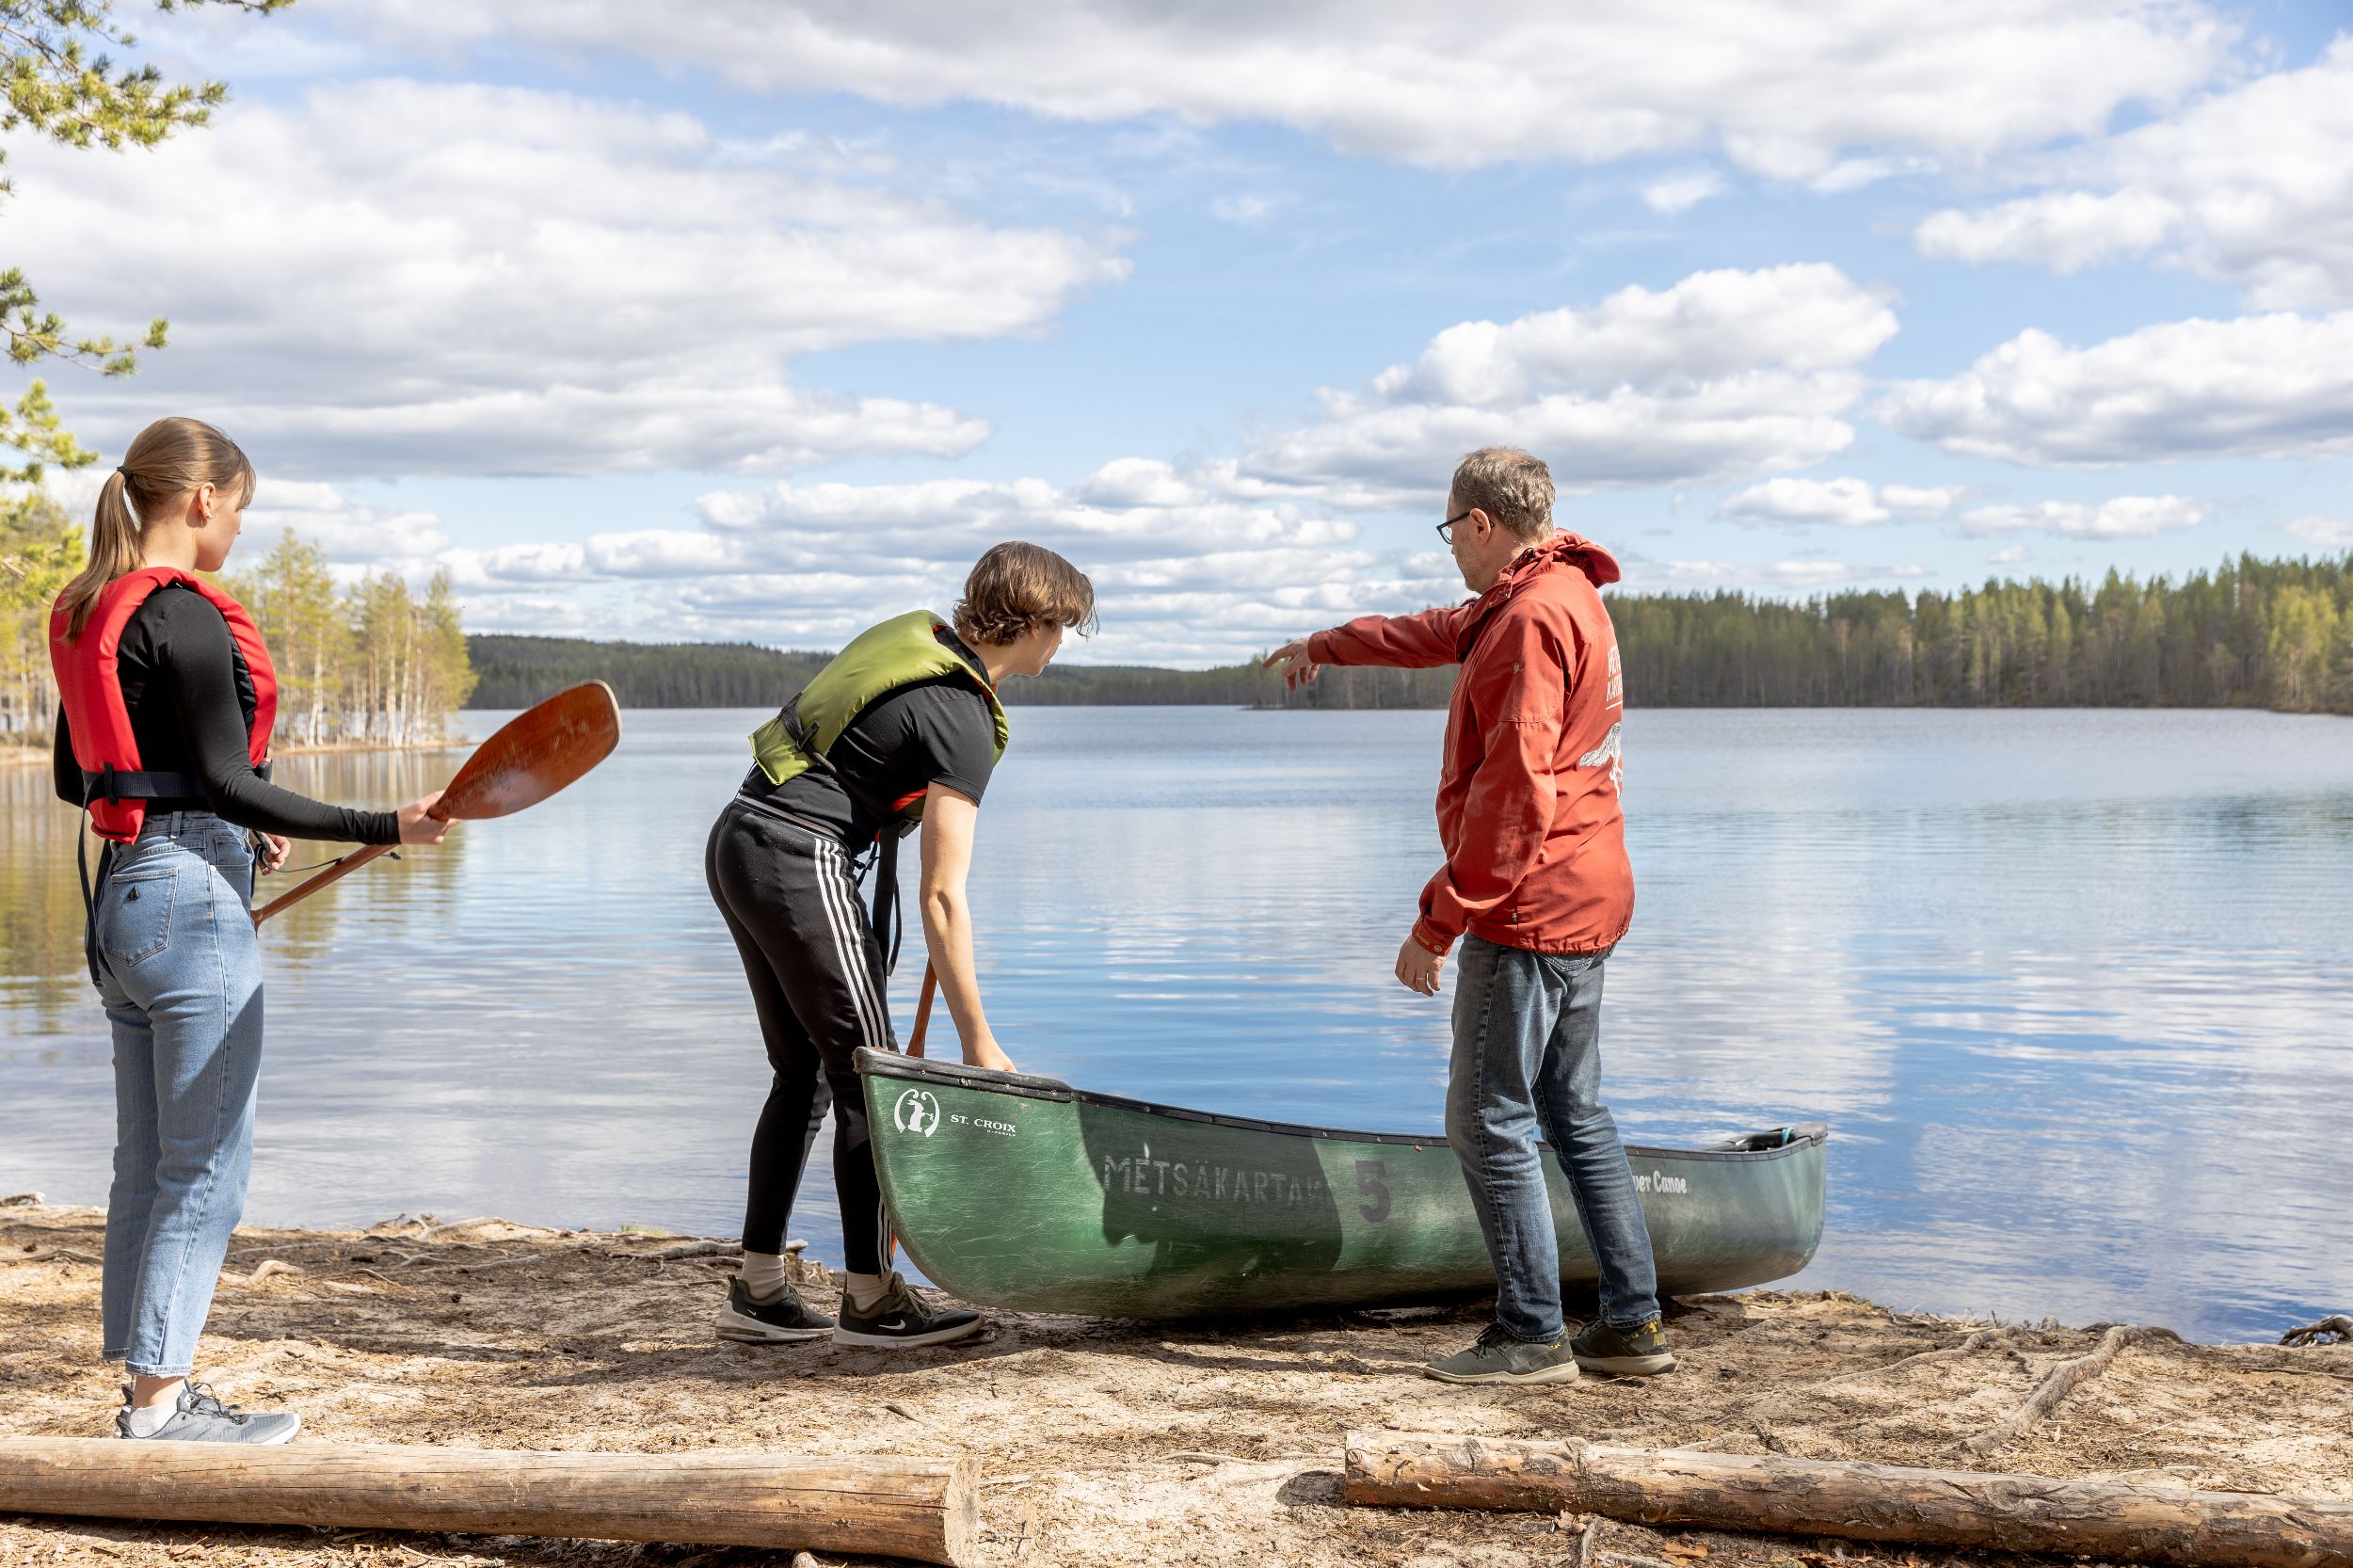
900,652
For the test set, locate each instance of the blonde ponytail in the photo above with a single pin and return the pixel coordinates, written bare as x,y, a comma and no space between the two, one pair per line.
168,458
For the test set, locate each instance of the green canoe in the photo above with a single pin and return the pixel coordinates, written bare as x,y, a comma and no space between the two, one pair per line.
1020,1192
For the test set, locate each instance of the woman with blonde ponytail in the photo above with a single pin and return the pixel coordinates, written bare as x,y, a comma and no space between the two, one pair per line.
168,703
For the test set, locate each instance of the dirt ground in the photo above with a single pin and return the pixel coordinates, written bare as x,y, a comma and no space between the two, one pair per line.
1104,1442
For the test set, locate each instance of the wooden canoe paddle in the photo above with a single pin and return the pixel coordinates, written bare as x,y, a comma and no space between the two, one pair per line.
923,1010
534,754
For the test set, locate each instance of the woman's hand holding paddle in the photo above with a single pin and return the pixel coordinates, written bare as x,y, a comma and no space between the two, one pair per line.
532,755
418,825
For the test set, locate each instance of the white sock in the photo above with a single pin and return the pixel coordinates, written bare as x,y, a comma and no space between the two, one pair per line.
149,1421
763,1275
865,1290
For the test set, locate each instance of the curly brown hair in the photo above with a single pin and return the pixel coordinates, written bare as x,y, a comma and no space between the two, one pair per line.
1017,587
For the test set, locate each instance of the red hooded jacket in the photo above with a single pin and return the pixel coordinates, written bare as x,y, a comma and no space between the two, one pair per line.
1529,792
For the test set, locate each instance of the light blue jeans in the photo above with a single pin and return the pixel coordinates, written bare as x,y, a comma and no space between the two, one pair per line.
1527,1060
180,973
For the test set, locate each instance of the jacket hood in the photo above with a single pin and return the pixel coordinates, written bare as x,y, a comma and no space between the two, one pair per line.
1564,548
1559,551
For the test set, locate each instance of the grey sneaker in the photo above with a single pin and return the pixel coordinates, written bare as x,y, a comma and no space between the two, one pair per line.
199,1417
780,1322
1497,1357
903,1318
1624,1352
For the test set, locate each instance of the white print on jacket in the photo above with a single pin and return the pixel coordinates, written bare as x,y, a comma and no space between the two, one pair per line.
1611,754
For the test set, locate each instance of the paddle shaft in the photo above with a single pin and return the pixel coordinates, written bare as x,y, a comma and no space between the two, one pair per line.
530,757
300,890
923,1010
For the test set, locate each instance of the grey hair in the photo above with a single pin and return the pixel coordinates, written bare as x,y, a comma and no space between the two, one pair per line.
1511,486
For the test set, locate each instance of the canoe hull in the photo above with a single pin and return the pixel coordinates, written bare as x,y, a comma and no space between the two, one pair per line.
1017,1191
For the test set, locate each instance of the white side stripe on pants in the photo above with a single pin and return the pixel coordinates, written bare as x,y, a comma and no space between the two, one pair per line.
835,893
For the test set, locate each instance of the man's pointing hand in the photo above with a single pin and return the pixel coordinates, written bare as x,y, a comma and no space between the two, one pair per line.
1298,669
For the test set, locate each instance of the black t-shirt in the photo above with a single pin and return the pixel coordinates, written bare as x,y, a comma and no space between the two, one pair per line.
937,731
178,667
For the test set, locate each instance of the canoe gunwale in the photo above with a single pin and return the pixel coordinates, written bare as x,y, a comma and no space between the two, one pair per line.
879,1063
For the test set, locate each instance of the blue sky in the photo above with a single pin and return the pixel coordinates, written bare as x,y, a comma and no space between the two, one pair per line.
760,322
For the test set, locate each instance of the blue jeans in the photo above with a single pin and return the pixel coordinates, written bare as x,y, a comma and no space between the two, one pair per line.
1528,1058
180,973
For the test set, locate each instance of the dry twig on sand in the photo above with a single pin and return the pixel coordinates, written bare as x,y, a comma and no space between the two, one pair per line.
2062,1380
2338,1326
684,1249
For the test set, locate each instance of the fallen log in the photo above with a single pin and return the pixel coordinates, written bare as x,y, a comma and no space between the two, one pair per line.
870,1506
2115,1520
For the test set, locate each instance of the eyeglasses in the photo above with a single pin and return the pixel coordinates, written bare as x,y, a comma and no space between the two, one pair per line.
1445,529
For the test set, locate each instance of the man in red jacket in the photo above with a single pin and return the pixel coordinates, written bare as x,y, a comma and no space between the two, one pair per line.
1537,887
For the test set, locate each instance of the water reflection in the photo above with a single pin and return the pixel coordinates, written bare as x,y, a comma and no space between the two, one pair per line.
2071,989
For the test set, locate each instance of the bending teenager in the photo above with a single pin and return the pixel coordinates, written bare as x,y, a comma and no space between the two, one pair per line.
903,727
164,738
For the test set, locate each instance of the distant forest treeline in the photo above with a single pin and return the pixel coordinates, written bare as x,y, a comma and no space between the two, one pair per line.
2252,633
370,664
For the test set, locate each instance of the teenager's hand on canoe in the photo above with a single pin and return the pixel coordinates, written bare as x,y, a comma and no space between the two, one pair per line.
417,826
1298,669
1417,967
983,1054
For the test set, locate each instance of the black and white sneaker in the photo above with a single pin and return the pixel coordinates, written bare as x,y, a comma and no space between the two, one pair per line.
903,1318
781,1321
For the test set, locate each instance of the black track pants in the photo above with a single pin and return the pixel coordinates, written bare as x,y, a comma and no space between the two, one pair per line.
816,971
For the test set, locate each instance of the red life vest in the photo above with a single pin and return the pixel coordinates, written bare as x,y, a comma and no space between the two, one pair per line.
89,685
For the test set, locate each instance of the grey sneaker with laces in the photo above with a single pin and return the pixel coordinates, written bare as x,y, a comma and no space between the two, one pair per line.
903,1318
197,1417
1498,1357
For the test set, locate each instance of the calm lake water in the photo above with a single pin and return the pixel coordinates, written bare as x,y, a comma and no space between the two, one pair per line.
2075,991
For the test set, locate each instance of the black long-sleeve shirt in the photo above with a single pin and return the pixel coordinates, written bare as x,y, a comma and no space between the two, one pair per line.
177,665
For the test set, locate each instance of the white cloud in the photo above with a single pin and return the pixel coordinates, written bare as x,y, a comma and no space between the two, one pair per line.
2128,517
2270,385
1921,501
1186,564
2328,533
1679,192
1847,503
2252,185
2065,231
1247,207
1770,576
2010,555
1844,502
1780,86
354,535
521,281
1725,374
1711,325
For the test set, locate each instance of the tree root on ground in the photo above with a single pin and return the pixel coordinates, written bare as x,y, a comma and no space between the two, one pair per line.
2062,1380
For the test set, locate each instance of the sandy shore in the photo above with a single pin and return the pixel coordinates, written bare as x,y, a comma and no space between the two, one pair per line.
1104,1442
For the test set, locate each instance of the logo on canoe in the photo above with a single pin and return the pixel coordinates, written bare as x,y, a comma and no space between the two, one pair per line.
916,1111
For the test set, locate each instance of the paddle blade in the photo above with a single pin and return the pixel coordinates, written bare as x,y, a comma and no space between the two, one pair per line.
535,754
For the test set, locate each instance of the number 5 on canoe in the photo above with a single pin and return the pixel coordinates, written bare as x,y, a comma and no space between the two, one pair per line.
530,757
